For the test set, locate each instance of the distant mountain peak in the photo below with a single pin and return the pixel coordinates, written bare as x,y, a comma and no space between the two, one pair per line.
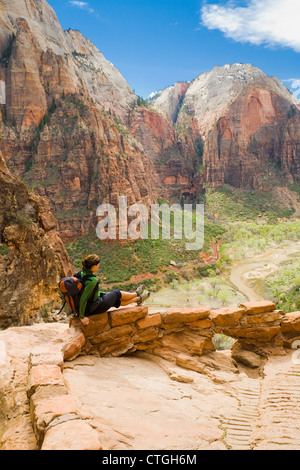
209,93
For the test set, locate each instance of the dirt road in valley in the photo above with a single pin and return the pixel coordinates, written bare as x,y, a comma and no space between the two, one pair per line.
248,275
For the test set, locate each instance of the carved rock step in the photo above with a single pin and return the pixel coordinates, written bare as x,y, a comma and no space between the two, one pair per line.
278,427
239,426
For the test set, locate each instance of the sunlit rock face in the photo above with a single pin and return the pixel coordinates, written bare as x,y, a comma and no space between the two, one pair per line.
71,124
248,121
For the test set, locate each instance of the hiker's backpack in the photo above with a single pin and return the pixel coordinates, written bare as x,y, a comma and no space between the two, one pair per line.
72,289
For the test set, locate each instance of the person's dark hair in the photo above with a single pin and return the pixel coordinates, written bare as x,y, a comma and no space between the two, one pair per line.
89,261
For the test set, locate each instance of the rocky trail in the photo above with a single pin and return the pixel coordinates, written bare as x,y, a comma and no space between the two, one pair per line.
267,417
142,402
239,425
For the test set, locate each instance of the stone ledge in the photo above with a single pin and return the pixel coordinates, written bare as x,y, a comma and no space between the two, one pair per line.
120,330
184,315
183,336
125,315
228,316
291,323
258,307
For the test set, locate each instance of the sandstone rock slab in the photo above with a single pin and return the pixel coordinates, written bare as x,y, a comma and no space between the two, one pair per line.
260,334
97,324
184,315
125,315
268,317
228,316
112,334
291,323
149,321
44,375
46,355
247,358
72,435
45,411
185,342
258,307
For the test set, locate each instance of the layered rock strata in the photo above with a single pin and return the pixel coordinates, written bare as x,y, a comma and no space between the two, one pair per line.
32,255
73,128
247,120
76,132
60,132
174,159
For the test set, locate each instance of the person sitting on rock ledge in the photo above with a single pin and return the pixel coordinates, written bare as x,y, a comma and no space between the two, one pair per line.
93,301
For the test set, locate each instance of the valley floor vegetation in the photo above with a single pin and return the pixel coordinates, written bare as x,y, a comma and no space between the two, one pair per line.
243,224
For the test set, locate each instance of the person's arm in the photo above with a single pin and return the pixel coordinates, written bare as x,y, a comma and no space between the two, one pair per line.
86,295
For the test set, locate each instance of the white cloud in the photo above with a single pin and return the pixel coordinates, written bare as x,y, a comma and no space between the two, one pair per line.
261,22
294,85
82,6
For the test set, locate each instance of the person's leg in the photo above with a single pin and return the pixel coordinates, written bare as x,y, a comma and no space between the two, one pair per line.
128,302
125,296
128,298
116,299
104,303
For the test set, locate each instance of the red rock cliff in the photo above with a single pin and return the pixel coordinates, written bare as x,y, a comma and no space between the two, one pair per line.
256,140
32,255
249,122
63,123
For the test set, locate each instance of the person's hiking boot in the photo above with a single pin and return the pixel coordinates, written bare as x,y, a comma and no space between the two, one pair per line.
143,297
140,290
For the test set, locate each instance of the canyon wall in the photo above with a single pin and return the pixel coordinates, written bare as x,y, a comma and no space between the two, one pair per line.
248,121
73,129
68,146
32,255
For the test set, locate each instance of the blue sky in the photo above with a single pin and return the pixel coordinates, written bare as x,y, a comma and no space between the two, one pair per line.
155,43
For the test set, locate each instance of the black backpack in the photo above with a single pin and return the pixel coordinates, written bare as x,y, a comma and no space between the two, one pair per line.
72,289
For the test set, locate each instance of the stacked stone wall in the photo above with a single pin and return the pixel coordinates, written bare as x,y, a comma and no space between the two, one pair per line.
257,326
